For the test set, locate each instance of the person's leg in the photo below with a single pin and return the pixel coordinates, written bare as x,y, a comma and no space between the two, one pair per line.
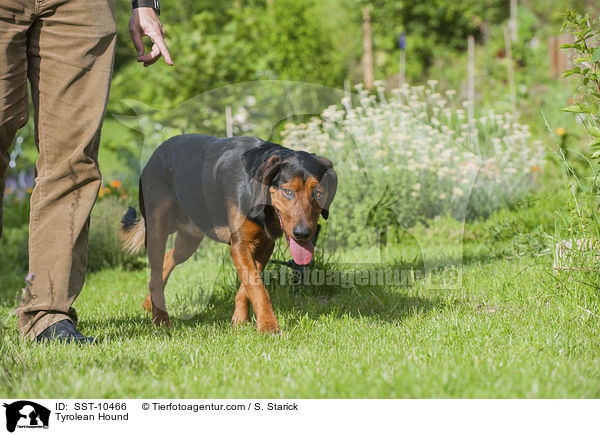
70,57
15,19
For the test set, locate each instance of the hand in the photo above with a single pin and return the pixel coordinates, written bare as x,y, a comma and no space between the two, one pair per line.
145,22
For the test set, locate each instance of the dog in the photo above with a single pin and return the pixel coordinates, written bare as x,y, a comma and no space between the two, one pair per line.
242,191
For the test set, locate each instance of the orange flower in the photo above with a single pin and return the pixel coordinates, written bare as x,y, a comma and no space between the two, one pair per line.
115,184
561,131
103,191
534,168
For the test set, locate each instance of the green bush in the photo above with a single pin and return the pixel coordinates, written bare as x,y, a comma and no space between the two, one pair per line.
104,249
16,210
586,67
13,245
579,220
13,248
288,40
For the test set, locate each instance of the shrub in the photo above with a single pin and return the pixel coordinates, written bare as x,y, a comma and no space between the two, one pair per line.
13,248
104,249
13,245
583,219
16,208
418,148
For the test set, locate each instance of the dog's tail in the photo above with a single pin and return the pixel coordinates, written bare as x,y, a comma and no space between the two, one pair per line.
132,232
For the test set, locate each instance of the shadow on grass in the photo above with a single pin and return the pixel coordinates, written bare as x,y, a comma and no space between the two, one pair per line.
390,303
385,303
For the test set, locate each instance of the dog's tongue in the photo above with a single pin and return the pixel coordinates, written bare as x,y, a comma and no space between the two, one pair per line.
302,252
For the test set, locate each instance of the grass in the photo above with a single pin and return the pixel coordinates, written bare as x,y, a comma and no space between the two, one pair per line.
512,330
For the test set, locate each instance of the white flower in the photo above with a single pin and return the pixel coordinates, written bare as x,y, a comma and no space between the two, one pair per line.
410,136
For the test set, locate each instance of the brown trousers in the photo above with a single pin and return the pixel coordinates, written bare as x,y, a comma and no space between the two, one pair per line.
66,49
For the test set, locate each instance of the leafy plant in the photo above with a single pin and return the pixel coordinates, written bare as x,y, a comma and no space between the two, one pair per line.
586,65
581,221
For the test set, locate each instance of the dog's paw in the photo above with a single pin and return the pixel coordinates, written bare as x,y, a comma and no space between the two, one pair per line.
147,305
164,322
160,318
240,317
268,325
238,321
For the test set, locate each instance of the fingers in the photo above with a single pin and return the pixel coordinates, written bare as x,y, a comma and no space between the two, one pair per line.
136,37
151,57
145,22
157,39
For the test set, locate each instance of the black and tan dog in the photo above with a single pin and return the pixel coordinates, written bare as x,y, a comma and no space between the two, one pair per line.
242,191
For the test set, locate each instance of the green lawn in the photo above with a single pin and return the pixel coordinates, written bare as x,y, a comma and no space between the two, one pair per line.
512,330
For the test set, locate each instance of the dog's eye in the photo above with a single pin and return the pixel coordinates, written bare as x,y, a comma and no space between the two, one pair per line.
287,193
317,194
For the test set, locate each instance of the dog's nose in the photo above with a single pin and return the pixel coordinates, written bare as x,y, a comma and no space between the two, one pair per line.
301,233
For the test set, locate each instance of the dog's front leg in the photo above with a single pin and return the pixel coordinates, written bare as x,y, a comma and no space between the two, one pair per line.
243,256
261,256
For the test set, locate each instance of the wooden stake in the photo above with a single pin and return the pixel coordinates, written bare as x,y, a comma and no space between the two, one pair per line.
228,121
512,22
402,74
347,89
471,96
511,72
471,90
368,74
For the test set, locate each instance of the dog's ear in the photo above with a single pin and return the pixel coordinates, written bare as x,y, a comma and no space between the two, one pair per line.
330,182
264,179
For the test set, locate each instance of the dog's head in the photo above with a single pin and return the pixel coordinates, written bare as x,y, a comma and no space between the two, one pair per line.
299,186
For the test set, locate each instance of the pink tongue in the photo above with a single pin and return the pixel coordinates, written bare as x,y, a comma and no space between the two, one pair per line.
302,252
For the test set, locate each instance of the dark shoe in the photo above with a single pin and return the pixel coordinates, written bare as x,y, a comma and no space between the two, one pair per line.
64,332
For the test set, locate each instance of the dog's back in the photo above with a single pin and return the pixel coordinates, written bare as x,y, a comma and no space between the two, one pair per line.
209,169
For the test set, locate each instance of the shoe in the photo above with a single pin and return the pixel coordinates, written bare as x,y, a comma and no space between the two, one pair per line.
64,332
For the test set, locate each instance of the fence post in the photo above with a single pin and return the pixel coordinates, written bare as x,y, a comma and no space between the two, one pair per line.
368,49
511,72
228,121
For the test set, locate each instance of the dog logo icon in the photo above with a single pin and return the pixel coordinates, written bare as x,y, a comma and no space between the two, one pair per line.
26,414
